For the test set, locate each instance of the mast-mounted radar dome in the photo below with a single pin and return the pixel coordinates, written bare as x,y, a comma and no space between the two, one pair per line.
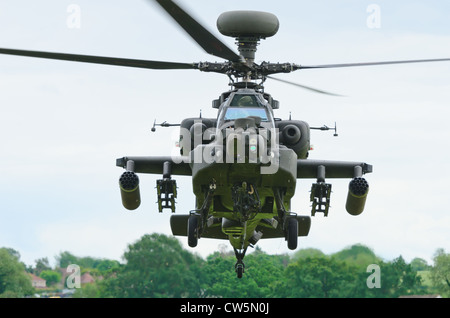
248,23
248,27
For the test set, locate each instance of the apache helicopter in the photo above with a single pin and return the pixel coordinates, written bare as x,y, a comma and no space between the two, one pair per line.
244,164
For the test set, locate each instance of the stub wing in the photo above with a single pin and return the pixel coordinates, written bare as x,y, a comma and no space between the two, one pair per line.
155,164
308,168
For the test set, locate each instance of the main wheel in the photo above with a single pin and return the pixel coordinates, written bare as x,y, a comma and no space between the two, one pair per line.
292,233
239,270
192,230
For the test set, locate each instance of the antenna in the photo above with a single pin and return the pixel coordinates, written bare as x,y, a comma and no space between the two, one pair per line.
163,124
325,127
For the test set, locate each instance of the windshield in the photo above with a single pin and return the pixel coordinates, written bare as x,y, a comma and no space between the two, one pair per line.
242,112
244,100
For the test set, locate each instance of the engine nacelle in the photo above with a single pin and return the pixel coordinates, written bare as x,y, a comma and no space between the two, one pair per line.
194,130
291,134
357,194
129,190
295,135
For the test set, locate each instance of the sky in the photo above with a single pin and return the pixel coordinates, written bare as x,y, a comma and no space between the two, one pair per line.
63,124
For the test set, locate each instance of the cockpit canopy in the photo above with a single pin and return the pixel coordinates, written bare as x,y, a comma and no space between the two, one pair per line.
245,100
233,113
245,103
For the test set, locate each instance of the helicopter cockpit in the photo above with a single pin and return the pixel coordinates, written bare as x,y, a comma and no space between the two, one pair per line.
242,100
243,104
233,113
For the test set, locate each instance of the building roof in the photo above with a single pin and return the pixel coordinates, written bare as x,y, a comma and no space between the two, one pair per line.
86,278
36,278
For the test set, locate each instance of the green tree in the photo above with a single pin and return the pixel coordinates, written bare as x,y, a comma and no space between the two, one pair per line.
108,266
14,253
95,266
92,290
440,273
358,255
42,264
319,277
51,277
409,282
419,264
156,266
14,282
64,259
307,252
262,271
397,279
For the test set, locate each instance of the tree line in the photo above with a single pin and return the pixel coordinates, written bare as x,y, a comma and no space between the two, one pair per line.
157,266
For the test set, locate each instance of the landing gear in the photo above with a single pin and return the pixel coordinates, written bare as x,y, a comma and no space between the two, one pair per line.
289,219
197,218
192,230
239,267
292,233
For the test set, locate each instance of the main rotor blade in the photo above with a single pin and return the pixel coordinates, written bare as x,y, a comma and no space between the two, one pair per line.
158,65
304,86
202,36
372,63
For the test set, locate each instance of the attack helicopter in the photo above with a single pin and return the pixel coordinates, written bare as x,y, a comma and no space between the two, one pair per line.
245,162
